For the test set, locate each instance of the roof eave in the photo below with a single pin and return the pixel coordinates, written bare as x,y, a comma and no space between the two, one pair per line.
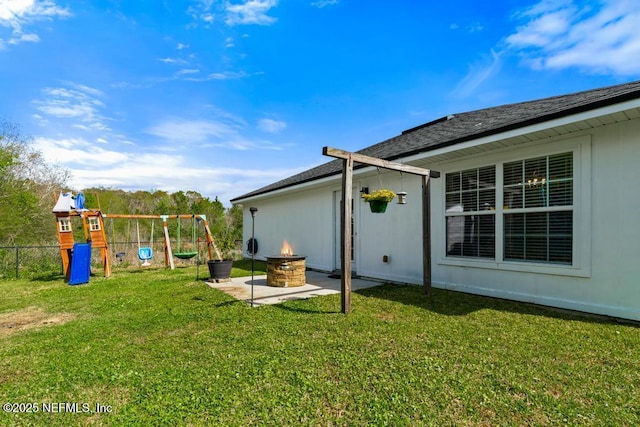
580,113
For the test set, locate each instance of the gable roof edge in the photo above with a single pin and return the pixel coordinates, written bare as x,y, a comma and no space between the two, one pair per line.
514,131
581,106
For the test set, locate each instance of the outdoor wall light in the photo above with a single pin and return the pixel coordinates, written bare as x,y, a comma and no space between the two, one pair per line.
402,197
364,190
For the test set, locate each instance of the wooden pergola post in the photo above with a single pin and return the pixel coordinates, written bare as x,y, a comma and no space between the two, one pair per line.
346,213
426,235
345,232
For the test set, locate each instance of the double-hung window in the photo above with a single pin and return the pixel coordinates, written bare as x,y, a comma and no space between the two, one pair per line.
535,217
470,212
538,209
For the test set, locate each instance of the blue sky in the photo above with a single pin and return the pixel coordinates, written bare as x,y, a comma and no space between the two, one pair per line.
223,97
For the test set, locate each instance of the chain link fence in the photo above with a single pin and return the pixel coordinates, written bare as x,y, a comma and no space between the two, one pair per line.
29,262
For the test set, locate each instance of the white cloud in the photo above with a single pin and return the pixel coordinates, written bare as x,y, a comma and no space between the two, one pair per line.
271,126
177,61
77,151
86,89
477,75
598,38
188,71
544,22
64,109
76,102
225,131
208,17
193,131
93,166
147,172
323,3
225,75
10,10
19,38
471,28
475,28
246,12
16,14
250,12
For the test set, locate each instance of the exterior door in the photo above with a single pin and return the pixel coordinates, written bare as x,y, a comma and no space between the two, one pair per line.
337,197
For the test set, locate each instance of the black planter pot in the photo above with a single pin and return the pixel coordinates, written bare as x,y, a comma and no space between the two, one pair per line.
220,269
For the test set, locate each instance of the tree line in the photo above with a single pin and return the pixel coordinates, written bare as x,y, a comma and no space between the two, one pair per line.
29,187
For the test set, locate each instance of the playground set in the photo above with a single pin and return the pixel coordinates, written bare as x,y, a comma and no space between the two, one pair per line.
76,256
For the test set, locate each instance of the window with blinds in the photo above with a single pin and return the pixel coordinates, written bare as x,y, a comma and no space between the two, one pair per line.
536,212
538,209
470,212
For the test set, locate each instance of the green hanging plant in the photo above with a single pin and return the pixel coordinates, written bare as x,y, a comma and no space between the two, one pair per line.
382,195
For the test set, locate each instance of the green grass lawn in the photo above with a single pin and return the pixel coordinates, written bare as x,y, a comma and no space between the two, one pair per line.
157,347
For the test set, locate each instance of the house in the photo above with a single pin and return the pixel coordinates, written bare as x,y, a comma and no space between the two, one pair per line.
537,201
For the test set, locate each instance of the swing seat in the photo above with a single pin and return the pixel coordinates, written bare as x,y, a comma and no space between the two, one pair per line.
145,254
185,255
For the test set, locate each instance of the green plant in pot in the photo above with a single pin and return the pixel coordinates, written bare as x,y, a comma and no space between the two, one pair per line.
379,199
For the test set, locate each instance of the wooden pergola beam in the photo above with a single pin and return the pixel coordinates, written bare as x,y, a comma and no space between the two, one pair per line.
346,214
374,161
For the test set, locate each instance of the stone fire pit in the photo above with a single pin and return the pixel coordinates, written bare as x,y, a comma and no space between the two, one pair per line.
286,271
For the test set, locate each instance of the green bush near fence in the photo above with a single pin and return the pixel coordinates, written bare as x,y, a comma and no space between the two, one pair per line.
29,262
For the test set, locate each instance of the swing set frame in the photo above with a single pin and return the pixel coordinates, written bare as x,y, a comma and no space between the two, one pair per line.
93,225
168,251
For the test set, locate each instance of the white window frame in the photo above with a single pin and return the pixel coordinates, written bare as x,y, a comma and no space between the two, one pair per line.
581,247
488,212
94,223
64,224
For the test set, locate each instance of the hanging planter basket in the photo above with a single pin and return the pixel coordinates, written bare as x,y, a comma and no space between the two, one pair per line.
378,206
379,199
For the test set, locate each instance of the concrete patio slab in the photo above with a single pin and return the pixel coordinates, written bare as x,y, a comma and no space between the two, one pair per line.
318,284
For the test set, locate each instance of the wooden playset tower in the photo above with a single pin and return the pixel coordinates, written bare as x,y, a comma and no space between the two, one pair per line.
68,207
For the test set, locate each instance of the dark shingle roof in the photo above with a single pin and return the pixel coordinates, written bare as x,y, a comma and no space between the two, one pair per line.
471,125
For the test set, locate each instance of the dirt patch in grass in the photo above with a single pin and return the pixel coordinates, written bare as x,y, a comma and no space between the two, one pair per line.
30,318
